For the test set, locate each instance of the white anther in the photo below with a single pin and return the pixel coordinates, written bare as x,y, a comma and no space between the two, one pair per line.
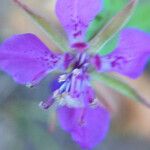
67,100
63,87
94,102
62,78
56,94
78,56
29,85
67,86
83,58
76,72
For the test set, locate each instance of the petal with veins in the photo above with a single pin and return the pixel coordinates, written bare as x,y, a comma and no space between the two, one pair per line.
26,58
88,126
131,55
75,16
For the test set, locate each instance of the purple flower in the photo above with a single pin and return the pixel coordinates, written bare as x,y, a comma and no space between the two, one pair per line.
80,112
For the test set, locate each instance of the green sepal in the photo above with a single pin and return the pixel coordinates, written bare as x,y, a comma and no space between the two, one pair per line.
97,24
110,46
57,35
104,16
112,27
119,86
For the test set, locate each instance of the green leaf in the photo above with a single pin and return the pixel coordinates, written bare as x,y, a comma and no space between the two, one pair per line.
56,35
119,86
112,27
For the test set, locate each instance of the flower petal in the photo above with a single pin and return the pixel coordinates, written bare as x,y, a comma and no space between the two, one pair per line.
26,58
88,126
131,55
76,15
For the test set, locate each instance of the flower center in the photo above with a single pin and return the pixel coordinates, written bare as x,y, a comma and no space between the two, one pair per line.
73,82
74,85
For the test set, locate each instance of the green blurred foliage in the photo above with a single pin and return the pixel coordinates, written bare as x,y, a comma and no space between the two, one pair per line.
120,86
141,17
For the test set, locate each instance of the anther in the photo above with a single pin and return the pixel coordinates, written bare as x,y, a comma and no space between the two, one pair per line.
83,56
29,85
94,102
62,78
56,94
46,104
76,72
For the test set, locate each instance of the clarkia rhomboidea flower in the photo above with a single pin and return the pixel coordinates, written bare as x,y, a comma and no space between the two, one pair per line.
80,112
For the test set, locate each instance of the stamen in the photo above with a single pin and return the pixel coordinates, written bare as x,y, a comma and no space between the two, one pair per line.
73,84
29,85
63,88
78,84
62,78
56,94
46,104
94,103
67,87
82,58
76,72
67,100
78,56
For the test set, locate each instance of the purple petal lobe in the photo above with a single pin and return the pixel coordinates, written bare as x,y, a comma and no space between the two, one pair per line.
26,58
131,55
75,16
88,126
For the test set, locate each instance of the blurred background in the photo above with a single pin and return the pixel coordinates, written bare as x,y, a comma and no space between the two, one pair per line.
23,126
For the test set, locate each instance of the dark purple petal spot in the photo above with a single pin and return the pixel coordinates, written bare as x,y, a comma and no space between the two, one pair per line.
80,46
89,94
79,33
96,61
119,62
